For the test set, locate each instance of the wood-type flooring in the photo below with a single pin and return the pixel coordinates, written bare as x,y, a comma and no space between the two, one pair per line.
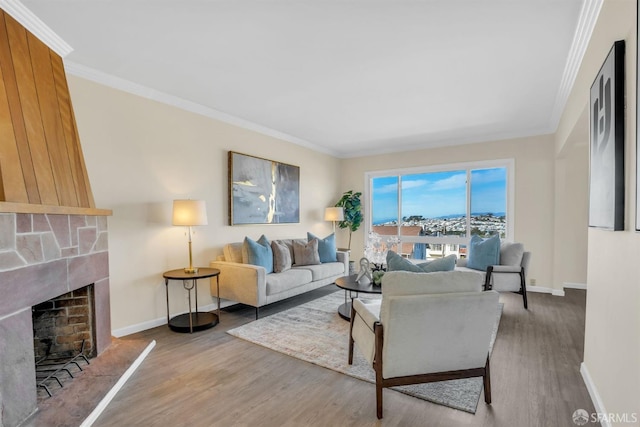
210,378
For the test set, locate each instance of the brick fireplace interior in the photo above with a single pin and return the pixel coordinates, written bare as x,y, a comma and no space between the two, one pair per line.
45,257
63,326
63,339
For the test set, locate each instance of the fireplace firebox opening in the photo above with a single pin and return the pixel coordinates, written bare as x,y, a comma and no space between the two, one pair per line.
63,338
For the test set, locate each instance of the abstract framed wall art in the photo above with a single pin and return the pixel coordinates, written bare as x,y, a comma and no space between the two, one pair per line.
262,191
606,148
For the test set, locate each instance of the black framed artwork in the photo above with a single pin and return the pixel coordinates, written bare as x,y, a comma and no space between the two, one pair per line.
606,149
262,191
637,120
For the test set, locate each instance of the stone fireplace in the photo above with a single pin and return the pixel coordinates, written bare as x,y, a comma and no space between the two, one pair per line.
53,239
44,256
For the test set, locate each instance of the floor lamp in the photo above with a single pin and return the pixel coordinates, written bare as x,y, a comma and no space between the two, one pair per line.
334,214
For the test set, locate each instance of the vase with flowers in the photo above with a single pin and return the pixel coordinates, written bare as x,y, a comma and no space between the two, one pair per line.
376,250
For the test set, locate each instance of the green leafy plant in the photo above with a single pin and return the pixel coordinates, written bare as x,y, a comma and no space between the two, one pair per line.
350,202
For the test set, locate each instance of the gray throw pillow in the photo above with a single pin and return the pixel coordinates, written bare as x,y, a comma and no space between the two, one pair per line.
281,257
306,253
511,253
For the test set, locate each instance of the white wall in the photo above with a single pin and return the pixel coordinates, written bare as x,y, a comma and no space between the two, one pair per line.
612,333
534,193
571,218
141,155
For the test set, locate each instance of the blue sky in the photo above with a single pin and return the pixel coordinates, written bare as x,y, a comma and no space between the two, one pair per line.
440,193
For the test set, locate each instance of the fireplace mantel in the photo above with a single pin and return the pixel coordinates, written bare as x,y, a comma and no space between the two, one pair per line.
9,207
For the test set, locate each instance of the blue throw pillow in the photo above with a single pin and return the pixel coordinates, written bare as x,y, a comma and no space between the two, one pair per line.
326,247
483,253
258,253
396,263
447,263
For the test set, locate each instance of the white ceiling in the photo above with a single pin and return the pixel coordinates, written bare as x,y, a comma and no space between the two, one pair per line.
344,77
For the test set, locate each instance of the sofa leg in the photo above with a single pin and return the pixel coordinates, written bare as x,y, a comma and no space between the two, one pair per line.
523,285
257,312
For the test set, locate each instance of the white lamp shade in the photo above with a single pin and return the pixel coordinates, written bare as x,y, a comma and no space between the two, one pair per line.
334,214
189,212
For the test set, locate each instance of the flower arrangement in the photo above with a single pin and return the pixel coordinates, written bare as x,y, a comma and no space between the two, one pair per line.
377,247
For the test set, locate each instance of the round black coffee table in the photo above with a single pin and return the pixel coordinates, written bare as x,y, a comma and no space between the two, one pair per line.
349,284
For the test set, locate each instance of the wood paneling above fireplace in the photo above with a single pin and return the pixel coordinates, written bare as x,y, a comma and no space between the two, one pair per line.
41,161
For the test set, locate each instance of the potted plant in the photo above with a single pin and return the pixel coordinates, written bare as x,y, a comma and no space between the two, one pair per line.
350,203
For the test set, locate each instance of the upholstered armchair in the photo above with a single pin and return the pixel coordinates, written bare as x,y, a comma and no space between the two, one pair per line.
508,276
427,327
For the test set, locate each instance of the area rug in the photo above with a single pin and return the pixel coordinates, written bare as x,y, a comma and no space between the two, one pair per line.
314,332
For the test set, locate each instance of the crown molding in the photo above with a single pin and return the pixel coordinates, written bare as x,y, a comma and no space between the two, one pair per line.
158,96
586,23
31,22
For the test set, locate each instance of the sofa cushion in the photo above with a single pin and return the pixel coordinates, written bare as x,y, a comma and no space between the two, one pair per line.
396,263
447,263
326,247
281,257
483,252
258,253
324,270
281,282
410,283
511,253
289,244
306,253
233,252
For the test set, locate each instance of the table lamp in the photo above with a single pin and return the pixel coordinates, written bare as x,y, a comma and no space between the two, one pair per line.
189,213
334,214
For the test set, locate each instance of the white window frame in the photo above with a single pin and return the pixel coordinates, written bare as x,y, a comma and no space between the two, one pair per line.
509,164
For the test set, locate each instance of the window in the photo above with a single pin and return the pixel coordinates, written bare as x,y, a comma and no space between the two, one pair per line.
433,211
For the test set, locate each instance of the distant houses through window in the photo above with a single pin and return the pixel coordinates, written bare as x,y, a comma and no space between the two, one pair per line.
435,210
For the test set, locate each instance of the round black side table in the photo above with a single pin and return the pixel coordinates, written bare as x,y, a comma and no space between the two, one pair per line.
193,320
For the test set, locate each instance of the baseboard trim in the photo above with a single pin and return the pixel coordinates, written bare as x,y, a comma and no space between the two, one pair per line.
139,327
593,393
582,286
93,416
544,290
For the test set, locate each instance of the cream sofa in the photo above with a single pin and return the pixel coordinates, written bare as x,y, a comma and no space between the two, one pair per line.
251,285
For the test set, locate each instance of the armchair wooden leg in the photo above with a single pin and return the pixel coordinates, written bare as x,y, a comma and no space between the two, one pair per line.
523,285
377,366
379,400
487,383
